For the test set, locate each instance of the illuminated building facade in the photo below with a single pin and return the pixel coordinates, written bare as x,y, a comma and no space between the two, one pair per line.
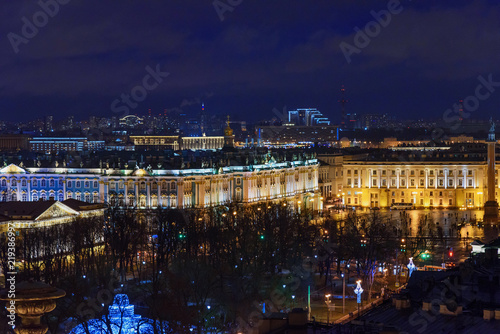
437,184
178,143
45,213
167,188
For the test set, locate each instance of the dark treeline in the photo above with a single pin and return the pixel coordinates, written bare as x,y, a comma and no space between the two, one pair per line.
201,267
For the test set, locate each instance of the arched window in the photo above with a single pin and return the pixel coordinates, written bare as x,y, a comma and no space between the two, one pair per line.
87,197
43,196
34,196
4,183
60,197
44,183
24,197
14,197
96,198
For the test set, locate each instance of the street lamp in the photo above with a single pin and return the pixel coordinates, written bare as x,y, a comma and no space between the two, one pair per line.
358,291
343,293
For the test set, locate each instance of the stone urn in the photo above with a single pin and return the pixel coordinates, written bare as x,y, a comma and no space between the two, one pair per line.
32,301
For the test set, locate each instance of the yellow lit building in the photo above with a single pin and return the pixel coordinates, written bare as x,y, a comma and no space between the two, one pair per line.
437,184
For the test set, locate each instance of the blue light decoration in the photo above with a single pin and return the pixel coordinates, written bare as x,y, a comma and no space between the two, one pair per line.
121,320
411,267
358,291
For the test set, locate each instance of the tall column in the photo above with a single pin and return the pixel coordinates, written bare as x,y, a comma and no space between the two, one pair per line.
491,206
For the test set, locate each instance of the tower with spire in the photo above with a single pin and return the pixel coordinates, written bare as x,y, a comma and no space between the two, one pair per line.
228,135
343,102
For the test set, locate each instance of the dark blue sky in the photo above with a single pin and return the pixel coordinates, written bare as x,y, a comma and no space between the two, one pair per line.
263,55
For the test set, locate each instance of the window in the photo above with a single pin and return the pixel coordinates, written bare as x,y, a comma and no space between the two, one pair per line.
460,182
431,193
431,201
469,173
402,194
384,182
78,197
431,172
44,183
348,200
383,173
393,172
348,172
348,182
440,194
14,182
34,197
441,183
96,198
402,172
61,183
421,173
51,183
393,194
35,182
96,184
60,197
421,201
24,197
23,183
470,183
374,182
403,182
450,202
412,173
412,183
355,172
172,185
69,184
374,172
422,182
87,185
431,182
78,184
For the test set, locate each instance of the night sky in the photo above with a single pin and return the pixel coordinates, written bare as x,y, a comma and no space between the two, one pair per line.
263,55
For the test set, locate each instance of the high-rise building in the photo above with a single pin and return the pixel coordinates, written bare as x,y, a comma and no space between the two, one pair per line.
307,117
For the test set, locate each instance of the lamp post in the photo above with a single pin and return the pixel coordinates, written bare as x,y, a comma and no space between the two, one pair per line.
358,291
343,293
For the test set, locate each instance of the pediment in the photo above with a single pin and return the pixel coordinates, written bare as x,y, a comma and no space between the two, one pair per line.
12,169
140,172
57,210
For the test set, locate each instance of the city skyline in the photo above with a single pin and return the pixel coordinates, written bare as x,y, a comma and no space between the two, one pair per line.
247,59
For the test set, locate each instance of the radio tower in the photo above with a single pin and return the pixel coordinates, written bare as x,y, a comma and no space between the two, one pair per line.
343,102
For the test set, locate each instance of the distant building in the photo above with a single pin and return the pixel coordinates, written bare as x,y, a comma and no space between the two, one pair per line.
178,143
13,142
290,134
131,121
307,117
69,144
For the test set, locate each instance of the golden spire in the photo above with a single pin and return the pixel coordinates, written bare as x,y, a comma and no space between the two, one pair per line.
228,131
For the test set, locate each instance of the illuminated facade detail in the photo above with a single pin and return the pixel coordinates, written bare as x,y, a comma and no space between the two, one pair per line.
121,320
425,184
152,188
